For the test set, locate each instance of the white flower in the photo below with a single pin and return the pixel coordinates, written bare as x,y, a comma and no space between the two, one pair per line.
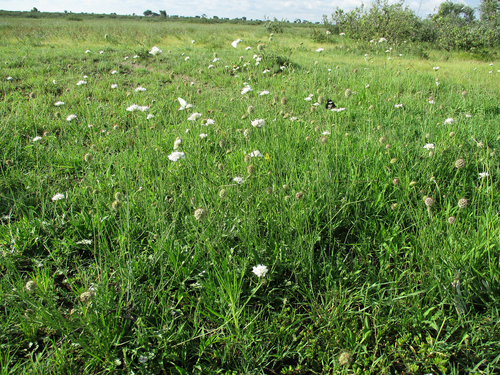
282,67
149,117
437,83
260,270
326,132
186,58
194,116
57,104
114,72
449,121
155,51
265,92
398,105
483,174
429,146
101,52
338,109
293,118
210,122
256,154
79,83
248,48
70,117
238,180
177,143
367,85
320,49
54,81
468,116
135,107
114,86
210,66
235,43
140,89
37,139
382,40
308,99
215,59
246,89
203,135
432,101
184,104
176,155
341,34
85,77
258,123
87,51
436,68
58,197
266,71
192,42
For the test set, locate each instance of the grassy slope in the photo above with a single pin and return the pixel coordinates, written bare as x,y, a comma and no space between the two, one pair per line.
358,265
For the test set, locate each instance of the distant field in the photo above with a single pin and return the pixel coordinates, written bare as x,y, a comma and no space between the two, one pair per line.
244,228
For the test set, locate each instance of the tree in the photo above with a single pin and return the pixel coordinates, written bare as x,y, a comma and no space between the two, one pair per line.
147,13
35,10
163,13
490,10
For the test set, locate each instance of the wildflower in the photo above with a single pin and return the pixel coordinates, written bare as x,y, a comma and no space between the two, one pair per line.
200,214
203,135
135,107
71,117
258,123
177,143
85,296
451,219
58,197
266,71
176,155
462,203
114,86
235,43
468,115
209,122
238,180
247,48
342,34
265,92
429,201
395,181
398,105
449,121
483,174
184,104
308,99
79,83
37,139
194,116
460,163
326,132
84,242
436,68
256,154
382,140
382,40
186,58
155,51
338,109
345,359
87,51
57,104
215,59
367,85
429,146
30,286
140,89
192,42
246,89
260,270
320,49
114,72
348,93
149,117
432,101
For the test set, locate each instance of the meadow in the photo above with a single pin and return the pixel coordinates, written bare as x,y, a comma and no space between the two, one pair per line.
244,228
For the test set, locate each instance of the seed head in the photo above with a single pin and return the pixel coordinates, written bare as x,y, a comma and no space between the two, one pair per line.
460,163
299,195
250,109
345,359
321,99
348,93
247,158
85,296
222,194
429,201
200,214
247,133
395,181
119,196
413,183
394,160
464,93
285,187
323,140
222,143
220,167
30,286
451,219
382,139
462,203
269,190
88,157
284,100
251,169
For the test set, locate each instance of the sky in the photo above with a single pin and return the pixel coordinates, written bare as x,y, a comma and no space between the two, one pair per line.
311,10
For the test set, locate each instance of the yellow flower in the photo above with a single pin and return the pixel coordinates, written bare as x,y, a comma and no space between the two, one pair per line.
267,157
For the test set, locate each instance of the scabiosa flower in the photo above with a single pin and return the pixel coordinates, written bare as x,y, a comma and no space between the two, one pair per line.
36,139
194,116
258,123
398,105
251,169
57,104
429,146
299,195
71,117
238,180
114,86
58,197
246,89
462,203
140,89
449,121
203,135
429,201
460,163
79,83
260,270
176,155
483,175
451,219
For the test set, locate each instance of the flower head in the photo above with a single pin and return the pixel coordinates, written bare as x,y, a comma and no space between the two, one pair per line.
140,89
194,116
58,197
71,117
449,121
429,146
135,107
57,104
155,51
238,180
320,49
176,155
258,123
79,83
256,154
260,270
114,85
246,89
235,43
483,174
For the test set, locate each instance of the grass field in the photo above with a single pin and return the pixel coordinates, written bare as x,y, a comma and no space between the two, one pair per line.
266,235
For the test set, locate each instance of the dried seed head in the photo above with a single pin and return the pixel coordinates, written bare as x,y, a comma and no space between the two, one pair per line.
30,286
85,296
452,134
250,109
269,190
251,169
348,93
460,163
462,203
299,195
200,214
119,196
247,158
451,219
394,206
413,183
323,140
431,154
247,133
284,100
382,139
388,146
115,206
220,167
429,201
88,157
222,194
345,359
395,181
222,143
464,93
285,187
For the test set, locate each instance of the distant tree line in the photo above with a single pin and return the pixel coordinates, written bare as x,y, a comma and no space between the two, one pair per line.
453,27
